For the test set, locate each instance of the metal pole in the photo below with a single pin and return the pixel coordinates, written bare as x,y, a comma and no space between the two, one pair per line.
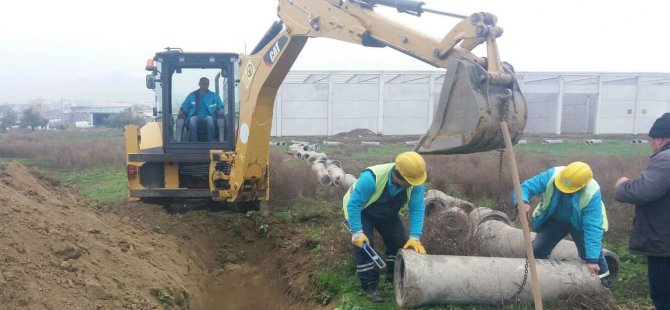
637,104
330,131
380,107
599,104
559,106
537,295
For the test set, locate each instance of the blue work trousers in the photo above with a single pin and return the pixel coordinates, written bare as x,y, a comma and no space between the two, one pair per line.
394,236
552,232
193,128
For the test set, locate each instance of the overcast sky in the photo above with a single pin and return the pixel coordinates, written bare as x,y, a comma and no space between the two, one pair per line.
96,50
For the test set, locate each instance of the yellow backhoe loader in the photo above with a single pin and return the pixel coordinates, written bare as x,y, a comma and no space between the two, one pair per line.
173,157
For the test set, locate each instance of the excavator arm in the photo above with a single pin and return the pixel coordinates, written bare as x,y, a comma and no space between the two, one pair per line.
478,92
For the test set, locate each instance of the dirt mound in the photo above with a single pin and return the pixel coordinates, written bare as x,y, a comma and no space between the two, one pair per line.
61,251
356,134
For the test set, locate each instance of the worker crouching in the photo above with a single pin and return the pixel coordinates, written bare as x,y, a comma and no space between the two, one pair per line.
373,203
571,203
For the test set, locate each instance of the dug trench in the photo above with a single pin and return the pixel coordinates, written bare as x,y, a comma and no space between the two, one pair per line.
59,250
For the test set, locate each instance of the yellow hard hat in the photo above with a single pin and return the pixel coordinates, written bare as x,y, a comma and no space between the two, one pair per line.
411,167
573,177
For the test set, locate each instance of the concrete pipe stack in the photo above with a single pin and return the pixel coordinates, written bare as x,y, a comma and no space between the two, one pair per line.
594,141
639,141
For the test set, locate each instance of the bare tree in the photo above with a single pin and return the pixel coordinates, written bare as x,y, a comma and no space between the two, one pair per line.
32,117
8,117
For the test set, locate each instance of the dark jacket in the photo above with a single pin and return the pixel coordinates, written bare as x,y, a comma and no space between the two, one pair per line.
650,193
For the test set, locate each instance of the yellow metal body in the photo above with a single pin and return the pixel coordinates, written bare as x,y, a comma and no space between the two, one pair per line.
259,80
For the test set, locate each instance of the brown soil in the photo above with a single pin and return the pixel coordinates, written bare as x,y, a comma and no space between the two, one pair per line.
61,251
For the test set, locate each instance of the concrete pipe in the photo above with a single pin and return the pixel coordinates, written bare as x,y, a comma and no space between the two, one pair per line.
639,141
480,215
370,143
322,160
446,230
594,141
300,142
316,156
347,182
299,154
331,143
334,162
522,142
552,141
421,280
318,166
411,142
447,226
322,174
499,239
307,154
337,174
443,200
312,147
296,146
275,143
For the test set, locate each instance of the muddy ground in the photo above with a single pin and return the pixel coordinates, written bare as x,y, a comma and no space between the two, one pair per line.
59,250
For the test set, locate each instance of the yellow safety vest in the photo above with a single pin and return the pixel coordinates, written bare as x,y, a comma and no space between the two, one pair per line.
585,196
381,173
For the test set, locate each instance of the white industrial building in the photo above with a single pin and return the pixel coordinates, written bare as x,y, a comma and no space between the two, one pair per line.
401,103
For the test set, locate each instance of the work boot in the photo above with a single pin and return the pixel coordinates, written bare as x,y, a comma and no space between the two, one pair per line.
372,292
389,277
607,282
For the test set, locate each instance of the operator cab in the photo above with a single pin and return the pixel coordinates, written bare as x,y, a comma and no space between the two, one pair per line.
186,108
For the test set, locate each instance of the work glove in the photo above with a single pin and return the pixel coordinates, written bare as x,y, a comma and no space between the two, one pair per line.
415,244
358,238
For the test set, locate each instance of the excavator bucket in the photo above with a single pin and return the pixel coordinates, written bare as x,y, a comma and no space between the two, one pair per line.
471,107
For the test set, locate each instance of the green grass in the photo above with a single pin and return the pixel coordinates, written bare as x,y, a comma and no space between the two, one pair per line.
103,184
164,297
335,284
573,147
22,161
632,282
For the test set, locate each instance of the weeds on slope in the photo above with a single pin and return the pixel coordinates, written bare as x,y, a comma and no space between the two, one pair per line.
72,149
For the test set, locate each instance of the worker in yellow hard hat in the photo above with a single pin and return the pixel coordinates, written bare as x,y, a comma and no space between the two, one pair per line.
373,202
571,203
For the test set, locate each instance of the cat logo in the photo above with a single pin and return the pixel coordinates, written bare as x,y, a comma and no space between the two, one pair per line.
248,74
271,55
